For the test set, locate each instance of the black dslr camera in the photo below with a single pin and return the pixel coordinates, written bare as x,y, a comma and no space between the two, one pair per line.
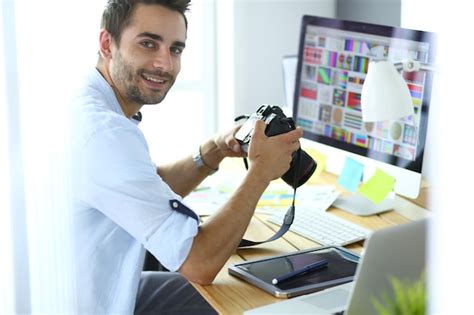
302,165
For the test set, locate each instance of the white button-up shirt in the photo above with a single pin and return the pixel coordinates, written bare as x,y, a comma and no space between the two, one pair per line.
121,204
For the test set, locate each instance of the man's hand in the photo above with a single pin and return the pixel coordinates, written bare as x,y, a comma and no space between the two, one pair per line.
221,146
228,145
183,176
270,157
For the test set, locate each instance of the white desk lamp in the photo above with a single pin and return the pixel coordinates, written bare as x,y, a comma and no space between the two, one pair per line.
385,94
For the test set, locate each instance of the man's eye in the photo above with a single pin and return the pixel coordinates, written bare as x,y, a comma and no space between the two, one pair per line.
148,44
176,50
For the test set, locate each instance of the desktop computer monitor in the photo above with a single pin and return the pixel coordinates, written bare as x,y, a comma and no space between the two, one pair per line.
333,59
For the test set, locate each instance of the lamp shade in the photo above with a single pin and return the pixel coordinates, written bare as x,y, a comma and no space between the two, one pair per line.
385,95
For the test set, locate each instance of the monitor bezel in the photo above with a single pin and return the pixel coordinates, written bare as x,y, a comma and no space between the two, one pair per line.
379,30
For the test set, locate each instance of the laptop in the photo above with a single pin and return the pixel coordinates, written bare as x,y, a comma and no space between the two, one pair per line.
397,251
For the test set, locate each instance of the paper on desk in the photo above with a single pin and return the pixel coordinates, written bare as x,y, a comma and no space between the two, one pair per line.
278,194
213,192
317,197
378,186
205,201
351,175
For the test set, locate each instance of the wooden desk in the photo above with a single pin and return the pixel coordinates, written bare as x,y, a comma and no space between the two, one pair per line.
229,295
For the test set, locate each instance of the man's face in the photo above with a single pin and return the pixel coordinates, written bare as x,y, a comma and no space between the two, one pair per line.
145,65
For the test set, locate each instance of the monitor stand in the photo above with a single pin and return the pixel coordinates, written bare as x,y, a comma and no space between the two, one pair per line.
360,205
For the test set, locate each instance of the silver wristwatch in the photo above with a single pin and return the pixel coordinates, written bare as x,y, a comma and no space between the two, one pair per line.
199,162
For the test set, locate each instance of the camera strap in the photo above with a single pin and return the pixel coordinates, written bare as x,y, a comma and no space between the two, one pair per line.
287,221
289,216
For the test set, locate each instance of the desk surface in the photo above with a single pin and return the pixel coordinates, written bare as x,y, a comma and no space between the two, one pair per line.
229,295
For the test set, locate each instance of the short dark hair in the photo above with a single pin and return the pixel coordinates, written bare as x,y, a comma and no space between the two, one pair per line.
116,15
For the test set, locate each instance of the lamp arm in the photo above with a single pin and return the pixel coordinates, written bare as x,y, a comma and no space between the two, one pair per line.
410,65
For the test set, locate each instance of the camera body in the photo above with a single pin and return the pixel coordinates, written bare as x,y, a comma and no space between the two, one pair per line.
273,116
302,165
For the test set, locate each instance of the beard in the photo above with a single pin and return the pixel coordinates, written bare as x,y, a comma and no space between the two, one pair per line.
127,78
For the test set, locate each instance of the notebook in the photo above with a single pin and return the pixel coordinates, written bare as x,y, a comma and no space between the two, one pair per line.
397,251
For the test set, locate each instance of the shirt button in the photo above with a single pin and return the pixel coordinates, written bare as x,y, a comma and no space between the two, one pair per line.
175,205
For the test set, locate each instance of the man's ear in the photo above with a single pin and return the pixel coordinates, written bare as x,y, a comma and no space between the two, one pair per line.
105,44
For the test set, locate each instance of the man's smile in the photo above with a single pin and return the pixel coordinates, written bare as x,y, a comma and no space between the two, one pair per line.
153,79
154,82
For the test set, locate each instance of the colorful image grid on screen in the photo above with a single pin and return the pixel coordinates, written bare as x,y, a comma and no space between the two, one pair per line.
332,75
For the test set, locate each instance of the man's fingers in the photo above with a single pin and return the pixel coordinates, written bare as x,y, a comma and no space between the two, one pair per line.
292,136
259,128
234,145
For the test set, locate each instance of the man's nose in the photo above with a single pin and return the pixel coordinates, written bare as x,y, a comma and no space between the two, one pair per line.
162,60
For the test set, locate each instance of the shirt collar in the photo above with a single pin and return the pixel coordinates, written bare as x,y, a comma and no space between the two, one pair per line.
111,97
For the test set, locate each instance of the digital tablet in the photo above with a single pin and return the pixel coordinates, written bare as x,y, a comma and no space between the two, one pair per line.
339,268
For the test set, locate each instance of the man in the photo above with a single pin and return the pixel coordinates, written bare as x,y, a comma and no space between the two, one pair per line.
124,203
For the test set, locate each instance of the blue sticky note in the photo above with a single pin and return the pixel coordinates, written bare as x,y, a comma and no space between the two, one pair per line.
351,175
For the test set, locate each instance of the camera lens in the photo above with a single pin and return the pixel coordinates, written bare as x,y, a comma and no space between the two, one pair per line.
302,166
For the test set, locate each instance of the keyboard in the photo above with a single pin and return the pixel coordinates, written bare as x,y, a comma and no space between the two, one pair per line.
323,227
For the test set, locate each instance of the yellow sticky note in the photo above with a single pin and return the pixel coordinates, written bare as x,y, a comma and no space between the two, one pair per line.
378,186
320,160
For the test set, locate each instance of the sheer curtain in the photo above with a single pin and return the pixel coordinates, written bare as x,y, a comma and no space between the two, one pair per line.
6,263
42,47
450,254
451,232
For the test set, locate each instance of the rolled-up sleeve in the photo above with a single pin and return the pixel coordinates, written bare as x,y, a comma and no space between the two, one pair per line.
120,180
171,246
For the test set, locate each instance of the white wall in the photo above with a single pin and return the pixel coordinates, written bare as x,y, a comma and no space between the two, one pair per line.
386,12
265,31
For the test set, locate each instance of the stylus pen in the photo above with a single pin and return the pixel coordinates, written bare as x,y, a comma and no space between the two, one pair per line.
312,267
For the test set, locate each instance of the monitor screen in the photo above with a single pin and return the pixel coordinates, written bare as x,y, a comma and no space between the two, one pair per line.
333,60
